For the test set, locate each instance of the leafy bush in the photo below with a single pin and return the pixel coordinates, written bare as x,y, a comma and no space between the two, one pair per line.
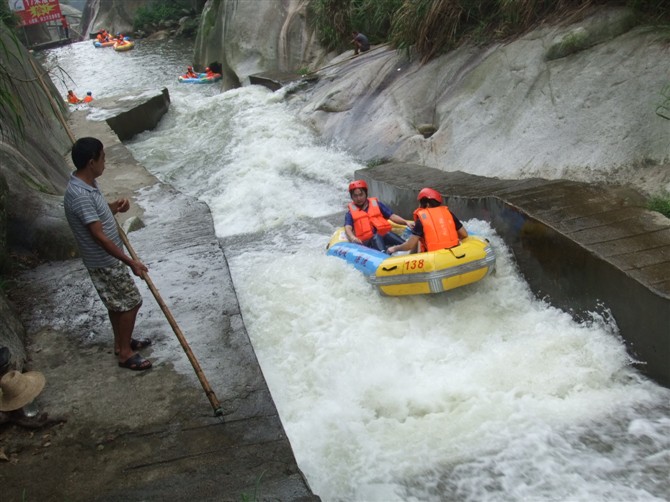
660,204
160,11
336,19
436,26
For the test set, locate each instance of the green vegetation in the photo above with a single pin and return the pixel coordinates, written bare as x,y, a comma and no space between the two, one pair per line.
660,204
257,493
158,12
336,19
377,161
433,27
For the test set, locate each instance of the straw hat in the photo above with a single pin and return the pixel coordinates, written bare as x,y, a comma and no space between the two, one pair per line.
19,389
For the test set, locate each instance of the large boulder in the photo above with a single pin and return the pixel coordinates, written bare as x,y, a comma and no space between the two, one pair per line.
115,16
33,174
118,16
132,114
32,157
35,220
255,37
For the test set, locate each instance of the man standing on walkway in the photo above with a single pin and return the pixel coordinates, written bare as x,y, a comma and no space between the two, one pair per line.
95,230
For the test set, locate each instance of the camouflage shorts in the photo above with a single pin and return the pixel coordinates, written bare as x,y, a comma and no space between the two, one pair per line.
116,287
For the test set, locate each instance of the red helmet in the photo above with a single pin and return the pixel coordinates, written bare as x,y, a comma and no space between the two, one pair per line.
429,193
358,184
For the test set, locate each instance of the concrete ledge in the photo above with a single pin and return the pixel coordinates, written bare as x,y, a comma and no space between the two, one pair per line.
131,115
274,80
585,248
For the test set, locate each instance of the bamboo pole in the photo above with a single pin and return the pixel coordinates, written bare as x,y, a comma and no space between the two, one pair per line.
216,406
54,106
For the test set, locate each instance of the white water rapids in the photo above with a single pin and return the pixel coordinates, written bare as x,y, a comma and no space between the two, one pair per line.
482,394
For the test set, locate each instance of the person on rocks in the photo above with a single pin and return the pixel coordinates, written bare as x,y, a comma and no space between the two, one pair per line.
361,42
95,230
72,98
435,226
366,222
17,393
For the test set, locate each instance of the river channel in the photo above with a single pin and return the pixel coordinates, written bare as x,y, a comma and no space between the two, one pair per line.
483,394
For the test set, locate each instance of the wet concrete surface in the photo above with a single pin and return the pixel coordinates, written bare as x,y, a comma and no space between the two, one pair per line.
585,248
147,435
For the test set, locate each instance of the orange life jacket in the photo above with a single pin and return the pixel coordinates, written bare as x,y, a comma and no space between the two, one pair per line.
439,228
88,99
365,222
71,98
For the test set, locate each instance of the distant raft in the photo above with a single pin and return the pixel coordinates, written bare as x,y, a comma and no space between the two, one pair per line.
125,47
420,273
110,43
202,79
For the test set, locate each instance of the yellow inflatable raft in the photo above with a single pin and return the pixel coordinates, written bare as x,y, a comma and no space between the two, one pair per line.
125,47
419,273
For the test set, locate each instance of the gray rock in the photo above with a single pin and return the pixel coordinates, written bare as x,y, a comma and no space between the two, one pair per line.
258,37
132,114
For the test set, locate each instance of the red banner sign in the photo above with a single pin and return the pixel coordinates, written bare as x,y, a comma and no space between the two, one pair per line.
36,11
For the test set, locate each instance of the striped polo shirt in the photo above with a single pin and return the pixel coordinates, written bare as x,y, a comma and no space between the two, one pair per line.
84,205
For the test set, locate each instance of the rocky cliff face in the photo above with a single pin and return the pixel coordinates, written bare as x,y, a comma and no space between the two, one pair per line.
32,162
33,175
572,101
253,37
115,16
575,102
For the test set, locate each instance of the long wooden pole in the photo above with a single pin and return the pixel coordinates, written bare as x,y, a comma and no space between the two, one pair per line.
54,106
216,406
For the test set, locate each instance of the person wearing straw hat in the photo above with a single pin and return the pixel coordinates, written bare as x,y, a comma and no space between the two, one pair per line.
92,221
17,391
20,389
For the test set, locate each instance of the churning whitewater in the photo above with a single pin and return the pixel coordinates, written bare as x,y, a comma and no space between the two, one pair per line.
483,393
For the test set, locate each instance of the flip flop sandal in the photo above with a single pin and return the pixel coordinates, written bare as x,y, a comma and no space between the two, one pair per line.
136,363
137,344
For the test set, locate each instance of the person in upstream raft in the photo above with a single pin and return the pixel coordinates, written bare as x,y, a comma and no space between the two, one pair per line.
435,226
72,98
92,221
190,73
366,221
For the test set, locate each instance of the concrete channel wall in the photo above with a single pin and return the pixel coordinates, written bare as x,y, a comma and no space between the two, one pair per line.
582,247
